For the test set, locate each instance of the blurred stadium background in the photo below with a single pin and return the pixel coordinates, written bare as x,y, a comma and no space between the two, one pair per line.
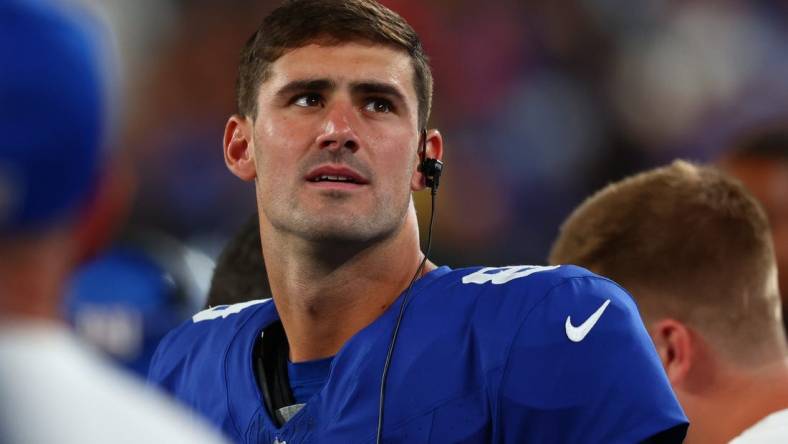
540,103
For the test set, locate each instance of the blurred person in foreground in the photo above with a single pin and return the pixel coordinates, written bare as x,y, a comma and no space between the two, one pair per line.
240,274
760,161
365,339
694,248
53,389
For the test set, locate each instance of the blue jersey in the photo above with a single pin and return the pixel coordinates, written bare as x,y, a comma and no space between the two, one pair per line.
504,355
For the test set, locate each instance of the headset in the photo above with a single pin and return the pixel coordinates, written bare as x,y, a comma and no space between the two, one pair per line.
432,170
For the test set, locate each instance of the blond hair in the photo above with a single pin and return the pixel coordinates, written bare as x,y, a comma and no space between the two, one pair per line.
690,243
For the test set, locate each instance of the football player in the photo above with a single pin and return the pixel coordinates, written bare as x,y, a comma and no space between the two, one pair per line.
694,248
365,339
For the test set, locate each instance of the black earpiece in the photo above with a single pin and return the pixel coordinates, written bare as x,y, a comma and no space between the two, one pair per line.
431,168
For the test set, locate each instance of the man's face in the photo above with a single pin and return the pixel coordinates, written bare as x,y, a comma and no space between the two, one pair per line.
335,142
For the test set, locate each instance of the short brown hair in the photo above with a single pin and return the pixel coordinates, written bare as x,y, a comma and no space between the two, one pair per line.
298,22
690,243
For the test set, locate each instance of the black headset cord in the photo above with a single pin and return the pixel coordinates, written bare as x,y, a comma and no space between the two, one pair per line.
403,305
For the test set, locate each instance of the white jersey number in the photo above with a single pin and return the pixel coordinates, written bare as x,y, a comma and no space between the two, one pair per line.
222,311
502,275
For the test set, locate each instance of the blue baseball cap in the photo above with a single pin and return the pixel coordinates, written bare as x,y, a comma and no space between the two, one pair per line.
52,112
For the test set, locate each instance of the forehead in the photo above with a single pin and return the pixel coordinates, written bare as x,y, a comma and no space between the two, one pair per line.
343,63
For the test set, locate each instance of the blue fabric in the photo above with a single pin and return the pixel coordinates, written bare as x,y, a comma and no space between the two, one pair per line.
124,290
483,356
307,378
51,112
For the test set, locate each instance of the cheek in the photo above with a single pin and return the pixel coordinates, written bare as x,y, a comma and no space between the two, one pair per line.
274,168
400,171
393,146
281,131
277,147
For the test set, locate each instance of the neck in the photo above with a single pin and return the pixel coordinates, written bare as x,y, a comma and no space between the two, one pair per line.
32,271
325,294
737,400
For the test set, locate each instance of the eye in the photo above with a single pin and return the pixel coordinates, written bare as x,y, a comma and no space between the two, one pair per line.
379,105
308,100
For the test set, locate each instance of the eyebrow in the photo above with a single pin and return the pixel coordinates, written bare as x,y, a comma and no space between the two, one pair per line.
371,87
298,86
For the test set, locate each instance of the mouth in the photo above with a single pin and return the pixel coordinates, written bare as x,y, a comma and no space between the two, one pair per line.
339,179
336,177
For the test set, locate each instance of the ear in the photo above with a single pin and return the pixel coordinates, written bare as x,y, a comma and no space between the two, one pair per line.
434,147
238,147
675,347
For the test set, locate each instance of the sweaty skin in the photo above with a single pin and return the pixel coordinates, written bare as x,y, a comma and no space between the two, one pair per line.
338,251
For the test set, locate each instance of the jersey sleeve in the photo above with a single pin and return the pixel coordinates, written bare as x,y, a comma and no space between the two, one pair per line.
166,367
187,366
582,368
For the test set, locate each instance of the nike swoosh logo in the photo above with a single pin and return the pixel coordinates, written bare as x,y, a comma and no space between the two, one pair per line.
577,334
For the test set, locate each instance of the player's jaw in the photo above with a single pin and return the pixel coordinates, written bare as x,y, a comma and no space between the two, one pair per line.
344,201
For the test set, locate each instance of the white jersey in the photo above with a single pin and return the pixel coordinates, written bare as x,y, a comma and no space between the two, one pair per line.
53,389
772,429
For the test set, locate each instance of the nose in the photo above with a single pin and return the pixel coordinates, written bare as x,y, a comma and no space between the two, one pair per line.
338,129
